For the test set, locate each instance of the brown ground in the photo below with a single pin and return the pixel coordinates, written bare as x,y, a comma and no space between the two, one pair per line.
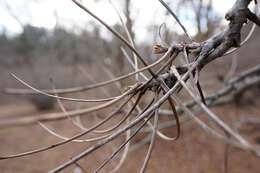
195,151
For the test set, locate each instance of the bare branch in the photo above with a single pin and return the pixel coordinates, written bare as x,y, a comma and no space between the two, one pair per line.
218,121
123,157
207,128
155,126
243,42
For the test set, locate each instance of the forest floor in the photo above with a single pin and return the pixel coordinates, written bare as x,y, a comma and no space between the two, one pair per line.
195,151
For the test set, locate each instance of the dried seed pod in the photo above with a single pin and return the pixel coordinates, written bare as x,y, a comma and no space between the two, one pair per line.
158,49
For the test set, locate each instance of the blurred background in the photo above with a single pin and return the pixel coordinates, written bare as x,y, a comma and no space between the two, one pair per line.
45,39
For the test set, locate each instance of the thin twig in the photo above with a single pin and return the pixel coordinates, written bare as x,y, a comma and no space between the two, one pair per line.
176,119
176,18
115,33
59,97
93,86
61,115
111,115
130,38
131,63
121,146
126,150
148,112
205,126
155,126
211,115
121,121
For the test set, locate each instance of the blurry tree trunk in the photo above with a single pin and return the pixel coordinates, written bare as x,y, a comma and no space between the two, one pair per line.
120,57
206,23
203,11
198,17
129,23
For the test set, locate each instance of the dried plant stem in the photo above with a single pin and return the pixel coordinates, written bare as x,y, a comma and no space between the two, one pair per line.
148,112
131,63
192,80
111,115
176,118
130,38
126,150
160,134
155,126
75,140
121,121
59,97
101,143
202,124
176,18
211,115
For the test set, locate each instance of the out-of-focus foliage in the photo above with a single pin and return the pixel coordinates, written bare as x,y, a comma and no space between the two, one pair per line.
68,47
31,43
